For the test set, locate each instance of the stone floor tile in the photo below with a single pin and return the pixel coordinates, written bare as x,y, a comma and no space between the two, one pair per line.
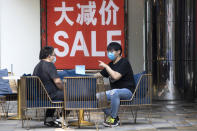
186,128
166,116
167,130
182,124
148,130
160,125
158,120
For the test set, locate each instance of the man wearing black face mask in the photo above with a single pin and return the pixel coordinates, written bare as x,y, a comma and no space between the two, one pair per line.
121,78
47,72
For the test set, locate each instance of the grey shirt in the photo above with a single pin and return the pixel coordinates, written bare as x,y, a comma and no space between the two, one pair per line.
47,72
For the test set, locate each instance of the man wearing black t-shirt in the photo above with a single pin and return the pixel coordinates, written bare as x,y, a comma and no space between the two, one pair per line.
121,79
47,72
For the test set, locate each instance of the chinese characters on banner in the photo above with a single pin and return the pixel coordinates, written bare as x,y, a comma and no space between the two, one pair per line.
80,30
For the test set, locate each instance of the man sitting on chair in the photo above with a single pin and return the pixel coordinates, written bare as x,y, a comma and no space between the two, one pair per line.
122,82
47,72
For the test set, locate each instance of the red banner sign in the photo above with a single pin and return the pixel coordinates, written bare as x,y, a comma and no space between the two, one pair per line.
80,30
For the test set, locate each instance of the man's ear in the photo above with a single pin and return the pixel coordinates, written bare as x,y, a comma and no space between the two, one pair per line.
119,52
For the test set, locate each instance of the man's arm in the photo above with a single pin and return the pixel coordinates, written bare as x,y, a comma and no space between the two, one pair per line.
58,83
114,74
98,75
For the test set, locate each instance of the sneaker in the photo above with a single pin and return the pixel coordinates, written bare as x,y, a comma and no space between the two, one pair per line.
60,121
112,122
118,120
109,117
51,124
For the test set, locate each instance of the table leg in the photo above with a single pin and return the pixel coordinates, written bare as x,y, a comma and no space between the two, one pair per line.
81,121
19,112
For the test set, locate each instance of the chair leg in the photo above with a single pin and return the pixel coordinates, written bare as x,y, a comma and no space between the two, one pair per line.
23,115
150,115
119,116
36,113
135,116
104,117
96,123
3,113
6,108
63,118
78,121
27,123
66,119
134,113
28,119
88,115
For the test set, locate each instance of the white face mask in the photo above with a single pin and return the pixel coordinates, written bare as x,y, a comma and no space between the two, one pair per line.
54,60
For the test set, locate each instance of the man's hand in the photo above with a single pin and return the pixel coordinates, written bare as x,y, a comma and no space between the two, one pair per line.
58,82
102,64
114,74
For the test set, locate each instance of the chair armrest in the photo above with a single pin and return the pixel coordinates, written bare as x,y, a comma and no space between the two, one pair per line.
143,87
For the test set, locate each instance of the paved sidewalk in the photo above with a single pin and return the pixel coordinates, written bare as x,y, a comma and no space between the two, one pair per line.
166,116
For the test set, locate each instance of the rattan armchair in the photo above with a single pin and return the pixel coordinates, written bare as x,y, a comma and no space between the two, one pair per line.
142,97
34,96
84,93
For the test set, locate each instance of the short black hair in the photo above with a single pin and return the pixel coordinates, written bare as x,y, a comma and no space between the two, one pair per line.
114,46
45,52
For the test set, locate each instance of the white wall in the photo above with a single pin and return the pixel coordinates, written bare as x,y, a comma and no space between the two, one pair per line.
0,30
19,35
